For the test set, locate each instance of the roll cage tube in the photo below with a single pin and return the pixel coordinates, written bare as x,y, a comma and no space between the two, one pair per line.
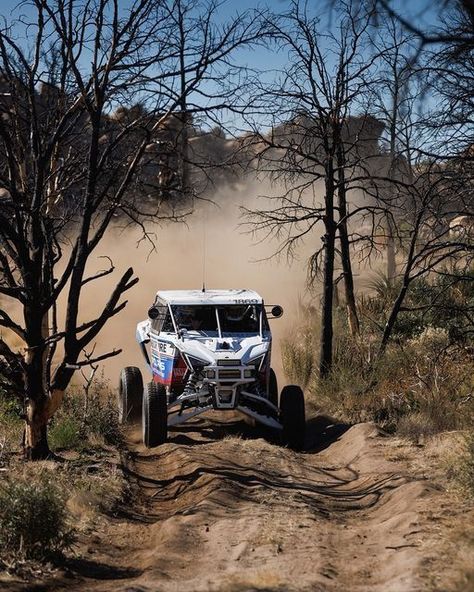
201,311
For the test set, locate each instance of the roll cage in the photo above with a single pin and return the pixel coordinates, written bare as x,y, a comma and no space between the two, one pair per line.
211,320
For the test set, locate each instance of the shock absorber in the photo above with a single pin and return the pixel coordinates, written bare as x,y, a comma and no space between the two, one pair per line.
191,384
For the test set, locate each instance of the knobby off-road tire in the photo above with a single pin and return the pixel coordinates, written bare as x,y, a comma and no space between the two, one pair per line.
267,433
130,395
273,388
155,415
292,416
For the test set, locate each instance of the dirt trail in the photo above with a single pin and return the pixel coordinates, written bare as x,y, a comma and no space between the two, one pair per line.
213,511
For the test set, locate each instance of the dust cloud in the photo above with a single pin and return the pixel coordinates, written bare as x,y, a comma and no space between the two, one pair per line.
211,245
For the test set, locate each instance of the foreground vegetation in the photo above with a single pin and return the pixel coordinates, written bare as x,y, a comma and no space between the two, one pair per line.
424,383
43,508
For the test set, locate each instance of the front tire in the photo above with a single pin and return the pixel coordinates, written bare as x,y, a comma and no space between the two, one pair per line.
154,415
130,395
292,416
273,388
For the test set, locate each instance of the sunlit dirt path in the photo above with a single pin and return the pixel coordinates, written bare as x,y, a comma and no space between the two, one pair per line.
217,509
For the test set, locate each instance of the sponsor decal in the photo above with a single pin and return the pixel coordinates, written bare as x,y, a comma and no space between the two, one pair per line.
162,368
167,366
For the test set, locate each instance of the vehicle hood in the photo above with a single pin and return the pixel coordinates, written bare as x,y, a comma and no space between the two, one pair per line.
211,350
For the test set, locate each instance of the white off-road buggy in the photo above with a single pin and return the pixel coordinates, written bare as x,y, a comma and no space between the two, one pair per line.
208,350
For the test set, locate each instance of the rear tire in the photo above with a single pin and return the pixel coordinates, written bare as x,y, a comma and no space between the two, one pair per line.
155,415
273,388
130,395
292,416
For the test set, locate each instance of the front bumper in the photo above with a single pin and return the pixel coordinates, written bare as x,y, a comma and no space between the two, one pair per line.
224,388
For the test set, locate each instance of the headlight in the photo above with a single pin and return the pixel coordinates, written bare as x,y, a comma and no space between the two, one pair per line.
211,374
248,373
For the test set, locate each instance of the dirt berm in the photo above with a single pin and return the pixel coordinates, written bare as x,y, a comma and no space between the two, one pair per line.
212,510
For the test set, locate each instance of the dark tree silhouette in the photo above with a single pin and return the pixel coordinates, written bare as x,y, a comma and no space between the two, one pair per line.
72,162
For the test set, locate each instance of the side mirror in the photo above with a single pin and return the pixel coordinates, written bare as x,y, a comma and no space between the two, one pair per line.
153,313
277,311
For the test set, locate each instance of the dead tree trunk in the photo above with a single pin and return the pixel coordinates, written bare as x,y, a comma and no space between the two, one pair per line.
183,103
351,307
329,240
35,441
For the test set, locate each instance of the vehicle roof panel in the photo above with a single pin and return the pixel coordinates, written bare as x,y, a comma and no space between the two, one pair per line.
209,296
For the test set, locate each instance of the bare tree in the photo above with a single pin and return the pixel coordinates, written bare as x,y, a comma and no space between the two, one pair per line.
437,229
432,246
394,101
429,34
316,145
205,87
411,16
70,166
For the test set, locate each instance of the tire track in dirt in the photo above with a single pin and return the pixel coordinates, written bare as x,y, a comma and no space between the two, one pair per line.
213,511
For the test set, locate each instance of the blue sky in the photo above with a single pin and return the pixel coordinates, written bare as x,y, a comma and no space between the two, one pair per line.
421,12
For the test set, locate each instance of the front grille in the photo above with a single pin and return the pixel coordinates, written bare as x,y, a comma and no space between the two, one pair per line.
228,362
229,374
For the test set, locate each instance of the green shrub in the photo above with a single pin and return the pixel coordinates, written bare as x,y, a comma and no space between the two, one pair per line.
33,520
65,431
443,300
84,422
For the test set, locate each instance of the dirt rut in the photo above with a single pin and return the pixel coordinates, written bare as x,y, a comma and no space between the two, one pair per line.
213,510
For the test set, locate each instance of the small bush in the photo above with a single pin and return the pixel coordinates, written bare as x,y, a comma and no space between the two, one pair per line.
10,429
84,422
65,432
416,426
102,417
464,470
443,300
33,520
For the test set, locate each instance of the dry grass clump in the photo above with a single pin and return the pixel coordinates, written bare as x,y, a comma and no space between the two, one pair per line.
423,385
96,485
298,357
10,430
461,465
408,392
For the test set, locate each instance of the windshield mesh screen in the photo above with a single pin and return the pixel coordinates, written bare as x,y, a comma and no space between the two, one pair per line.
238,318
195,318
233,318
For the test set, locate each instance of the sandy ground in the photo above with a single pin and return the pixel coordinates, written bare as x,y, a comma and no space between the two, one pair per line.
217,509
